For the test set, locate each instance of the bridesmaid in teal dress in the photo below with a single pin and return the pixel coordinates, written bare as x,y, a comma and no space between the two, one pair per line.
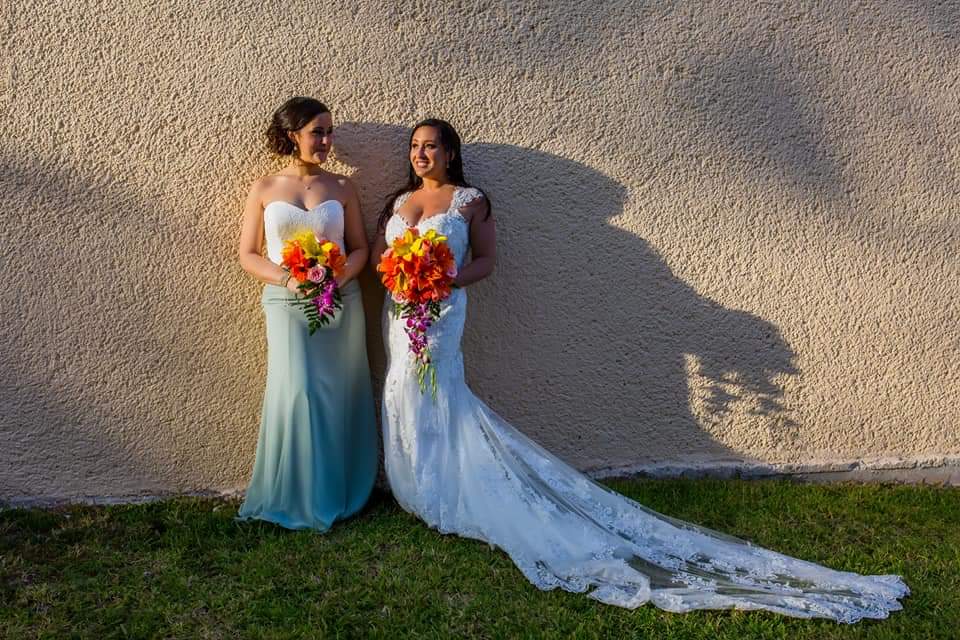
316,457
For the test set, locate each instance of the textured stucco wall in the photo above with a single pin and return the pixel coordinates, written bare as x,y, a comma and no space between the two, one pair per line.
728,231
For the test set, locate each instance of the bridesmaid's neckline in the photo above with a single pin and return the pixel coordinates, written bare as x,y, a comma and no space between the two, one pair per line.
304,209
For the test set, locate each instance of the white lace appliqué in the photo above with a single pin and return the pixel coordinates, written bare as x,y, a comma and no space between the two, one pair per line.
463,469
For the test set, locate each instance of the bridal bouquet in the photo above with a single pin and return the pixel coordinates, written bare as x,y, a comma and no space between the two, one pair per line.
418,271
315,263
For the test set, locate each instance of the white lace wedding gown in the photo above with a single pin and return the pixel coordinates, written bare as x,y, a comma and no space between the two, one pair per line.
462,469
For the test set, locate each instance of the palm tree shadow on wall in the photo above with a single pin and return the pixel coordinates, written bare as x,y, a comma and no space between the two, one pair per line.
584,338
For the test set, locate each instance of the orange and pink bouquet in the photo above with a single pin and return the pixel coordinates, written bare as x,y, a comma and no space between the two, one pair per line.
418,271
315,263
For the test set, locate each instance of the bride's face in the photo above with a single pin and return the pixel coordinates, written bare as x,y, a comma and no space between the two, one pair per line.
315,139
427,156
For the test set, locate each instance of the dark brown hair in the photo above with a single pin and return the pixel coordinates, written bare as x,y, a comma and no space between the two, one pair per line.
450,141
292,115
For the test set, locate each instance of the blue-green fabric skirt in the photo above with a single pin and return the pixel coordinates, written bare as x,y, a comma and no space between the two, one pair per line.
317,454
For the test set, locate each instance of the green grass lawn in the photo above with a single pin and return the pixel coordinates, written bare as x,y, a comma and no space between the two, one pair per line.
184,569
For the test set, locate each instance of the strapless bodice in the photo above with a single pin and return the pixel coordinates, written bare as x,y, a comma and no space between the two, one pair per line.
281,220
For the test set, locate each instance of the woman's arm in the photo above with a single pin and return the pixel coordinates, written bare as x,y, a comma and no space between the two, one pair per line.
354,236
483,243
251,243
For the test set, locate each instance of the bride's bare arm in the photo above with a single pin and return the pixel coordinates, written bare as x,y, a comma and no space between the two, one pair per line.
251,242
483,243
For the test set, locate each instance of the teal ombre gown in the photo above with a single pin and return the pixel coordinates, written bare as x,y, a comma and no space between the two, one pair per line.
317,455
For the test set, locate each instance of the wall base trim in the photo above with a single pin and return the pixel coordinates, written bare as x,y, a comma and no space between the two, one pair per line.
121,499
943,470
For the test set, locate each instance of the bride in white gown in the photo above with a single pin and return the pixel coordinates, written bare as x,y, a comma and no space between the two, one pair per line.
462,469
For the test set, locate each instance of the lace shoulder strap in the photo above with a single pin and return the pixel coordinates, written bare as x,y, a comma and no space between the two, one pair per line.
403,197
464,196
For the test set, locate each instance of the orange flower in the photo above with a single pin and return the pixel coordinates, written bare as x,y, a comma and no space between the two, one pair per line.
335,259
296,261
306,250
418,268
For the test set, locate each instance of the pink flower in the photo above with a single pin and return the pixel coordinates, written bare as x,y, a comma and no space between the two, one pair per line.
317,273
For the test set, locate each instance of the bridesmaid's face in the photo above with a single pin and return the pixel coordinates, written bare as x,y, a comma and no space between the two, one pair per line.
427,156
315,139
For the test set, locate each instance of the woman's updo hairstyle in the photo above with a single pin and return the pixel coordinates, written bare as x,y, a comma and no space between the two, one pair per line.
292,115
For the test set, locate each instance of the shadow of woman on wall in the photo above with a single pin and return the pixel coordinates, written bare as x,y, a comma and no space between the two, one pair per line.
583,337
